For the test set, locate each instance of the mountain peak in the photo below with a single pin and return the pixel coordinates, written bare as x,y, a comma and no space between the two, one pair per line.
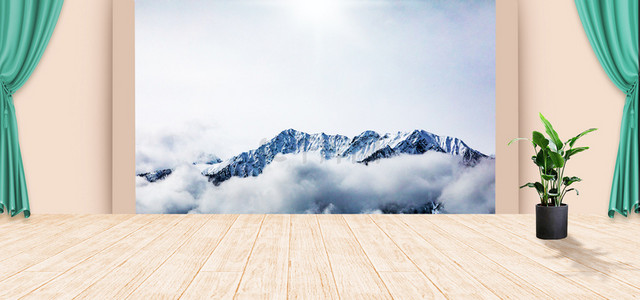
207,159
364,148
368,133
289,131
423,133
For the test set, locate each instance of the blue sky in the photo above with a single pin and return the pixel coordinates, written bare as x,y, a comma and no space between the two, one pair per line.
224,75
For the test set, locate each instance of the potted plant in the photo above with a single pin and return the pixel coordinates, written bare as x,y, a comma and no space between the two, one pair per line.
551,156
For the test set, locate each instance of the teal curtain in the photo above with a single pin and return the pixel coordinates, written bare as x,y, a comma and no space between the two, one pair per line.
25,29
612,29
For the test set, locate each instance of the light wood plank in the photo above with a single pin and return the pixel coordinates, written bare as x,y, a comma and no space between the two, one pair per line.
315,257
437,265
608,245
173,277
391,263
16,228
448,262
355,276
604,225
213,285
383,253
44,234
53,244
236,246
119,282
577,271
72,256
409,285
632,218
18,286
492,228
310,274
265,276
529,271
56,264
229,259
595,250
606,285
72,282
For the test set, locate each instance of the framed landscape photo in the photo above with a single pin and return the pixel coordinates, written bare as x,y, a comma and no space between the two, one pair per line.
338,106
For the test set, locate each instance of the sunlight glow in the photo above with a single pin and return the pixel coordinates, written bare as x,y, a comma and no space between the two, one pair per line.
319,12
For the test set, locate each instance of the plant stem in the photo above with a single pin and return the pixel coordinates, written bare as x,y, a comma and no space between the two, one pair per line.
535,153
561,196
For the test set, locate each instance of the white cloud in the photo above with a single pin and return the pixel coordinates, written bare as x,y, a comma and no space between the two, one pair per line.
172,144
178,193
297,185
470,193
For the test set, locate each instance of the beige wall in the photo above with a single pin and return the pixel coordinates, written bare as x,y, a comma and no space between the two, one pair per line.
64,114
64,111
560,76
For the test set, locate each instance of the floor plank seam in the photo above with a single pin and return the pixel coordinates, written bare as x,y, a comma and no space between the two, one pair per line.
60,273
45,283
479,280
89,257
616,278
244,269
367,256
35,246
599,230
212,250
525,257
520,237
495,261
289,257
407,256
46,222
179,257
328,259
159,265
124,261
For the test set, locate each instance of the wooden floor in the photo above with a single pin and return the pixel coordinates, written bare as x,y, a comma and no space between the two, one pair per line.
315,257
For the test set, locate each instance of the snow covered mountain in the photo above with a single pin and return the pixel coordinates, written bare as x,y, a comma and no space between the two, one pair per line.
364,148
155,175
204,159
207,159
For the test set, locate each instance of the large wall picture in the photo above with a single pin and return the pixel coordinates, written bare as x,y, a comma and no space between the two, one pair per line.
315,106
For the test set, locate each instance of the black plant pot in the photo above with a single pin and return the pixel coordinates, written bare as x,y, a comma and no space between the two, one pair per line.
551,222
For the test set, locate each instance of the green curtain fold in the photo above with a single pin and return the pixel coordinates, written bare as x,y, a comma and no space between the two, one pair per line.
25,29
612,30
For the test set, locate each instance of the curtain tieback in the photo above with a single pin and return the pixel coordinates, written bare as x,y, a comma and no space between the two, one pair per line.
6,89
5,104
632,89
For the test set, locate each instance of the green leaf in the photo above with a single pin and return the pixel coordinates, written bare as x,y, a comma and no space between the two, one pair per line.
573,151
551,172
553,192
536,185
553,148
573,140
558,160
548,177
540,140
572,189
518,139
539,187
540,158
528,184
567,181
553,135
